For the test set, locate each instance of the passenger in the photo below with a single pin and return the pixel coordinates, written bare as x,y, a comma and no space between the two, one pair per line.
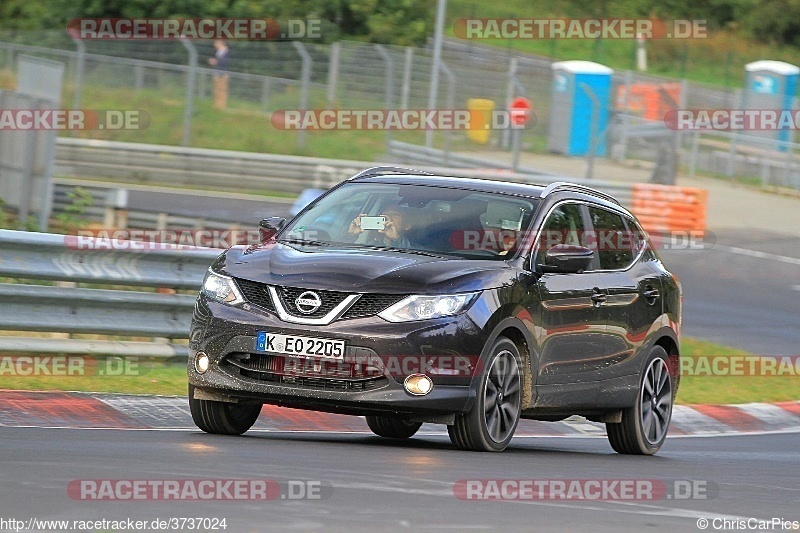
392,235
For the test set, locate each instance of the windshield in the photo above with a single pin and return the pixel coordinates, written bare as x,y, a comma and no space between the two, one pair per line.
416,219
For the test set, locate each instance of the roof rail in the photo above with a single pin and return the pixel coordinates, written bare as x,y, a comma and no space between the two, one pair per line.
380,171
567,186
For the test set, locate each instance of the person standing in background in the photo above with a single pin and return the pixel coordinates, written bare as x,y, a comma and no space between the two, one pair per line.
221,64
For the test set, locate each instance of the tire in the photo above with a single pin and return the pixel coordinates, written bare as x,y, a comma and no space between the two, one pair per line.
645,425
491,423
392,428
222,418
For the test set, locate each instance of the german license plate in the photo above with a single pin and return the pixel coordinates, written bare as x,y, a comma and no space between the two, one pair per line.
296,345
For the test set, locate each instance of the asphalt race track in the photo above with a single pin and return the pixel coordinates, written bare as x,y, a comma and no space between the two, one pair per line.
742,290
375,484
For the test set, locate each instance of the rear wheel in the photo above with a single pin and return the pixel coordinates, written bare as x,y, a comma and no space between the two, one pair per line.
222,418
392,428
491,423
644,425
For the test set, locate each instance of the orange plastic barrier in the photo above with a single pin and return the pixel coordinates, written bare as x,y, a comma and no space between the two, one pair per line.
667,208
645,99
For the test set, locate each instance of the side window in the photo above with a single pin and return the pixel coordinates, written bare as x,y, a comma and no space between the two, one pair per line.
614,243
563,226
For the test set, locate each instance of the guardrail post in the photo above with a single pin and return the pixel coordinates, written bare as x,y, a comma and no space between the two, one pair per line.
389,83
188,110
333,73
305,80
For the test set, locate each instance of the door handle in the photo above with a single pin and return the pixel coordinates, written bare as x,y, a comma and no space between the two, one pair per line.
598,298
650,294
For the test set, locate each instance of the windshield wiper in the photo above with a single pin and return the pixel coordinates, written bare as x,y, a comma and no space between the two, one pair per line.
410,251
304,241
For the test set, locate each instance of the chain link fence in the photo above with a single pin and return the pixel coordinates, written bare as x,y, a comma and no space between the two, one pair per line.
270,76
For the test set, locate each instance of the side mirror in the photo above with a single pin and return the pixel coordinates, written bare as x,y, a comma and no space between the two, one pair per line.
268,227
567,259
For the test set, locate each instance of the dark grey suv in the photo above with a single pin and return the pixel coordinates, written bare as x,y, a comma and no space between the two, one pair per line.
407,297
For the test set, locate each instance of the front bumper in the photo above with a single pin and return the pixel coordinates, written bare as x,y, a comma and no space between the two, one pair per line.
223,332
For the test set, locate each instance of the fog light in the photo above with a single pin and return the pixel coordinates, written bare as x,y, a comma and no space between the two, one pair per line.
418,384
201,362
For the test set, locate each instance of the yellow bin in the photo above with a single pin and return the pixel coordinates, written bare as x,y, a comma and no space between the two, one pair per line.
480,119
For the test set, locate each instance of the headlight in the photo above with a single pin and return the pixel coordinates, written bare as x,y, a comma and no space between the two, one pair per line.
221,288
425,307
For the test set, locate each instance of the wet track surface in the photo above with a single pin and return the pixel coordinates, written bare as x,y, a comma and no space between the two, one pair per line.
742,291
378,484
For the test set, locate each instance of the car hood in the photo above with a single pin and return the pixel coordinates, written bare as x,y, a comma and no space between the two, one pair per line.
361,270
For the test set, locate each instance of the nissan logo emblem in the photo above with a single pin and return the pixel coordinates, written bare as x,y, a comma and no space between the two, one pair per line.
308,302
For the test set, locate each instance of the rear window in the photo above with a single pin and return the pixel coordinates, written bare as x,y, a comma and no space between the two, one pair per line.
613,242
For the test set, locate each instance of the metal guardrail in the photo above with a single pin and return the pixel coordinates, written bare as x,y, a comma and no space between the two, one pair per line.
68,309
198,167
46,256
134,164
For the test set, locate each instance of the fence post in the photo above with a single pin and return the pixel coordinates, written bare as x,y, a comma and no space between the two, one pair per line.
333,73
407,66
188,110
389,85
265,87
511,88
624,122
451,96
593,129
138,77
693,158
433,90
76,97
305,80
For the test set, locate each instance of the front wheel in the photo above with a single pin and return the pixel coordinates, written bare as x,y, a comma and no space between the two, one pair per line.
644,425
222,418
491,423
392,428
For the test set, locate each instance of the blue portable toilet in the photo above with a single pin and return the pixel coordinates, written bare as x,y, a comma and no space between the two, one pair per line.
771,85
571,109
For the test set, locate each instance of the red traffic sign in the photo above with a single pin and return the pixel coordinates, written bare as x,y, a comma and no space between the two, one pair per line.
520,110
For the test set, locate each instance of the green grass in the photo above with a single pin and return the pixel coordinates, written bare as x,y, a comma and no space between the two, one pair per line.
169,378
141,376
732,389
718,59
